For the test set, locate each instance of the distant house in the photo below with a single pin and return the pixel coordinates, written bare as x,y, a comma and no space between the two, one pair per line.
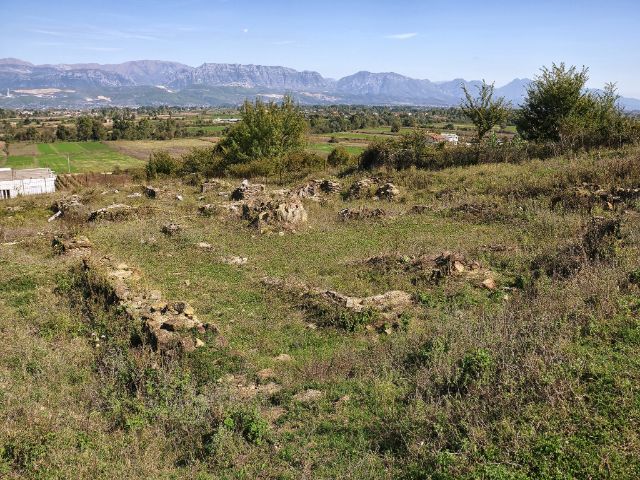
31,181
450,137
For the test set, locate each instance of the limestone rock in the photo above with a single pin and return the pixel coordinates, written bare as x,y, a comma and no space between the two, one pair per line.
308,396
388,191
114,212
247,191
171,229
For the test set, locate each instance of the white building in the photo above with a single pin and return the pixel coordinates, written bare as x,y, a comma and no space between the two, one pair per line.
31,181
450,137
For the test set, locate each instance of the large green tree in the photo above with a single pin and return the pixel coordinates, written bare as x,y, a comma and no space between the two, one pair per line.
556,98
484,111
265,131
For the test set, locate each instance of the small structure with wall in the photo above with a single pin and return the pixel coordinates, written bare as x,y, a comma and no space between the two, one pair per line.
29,181
450,137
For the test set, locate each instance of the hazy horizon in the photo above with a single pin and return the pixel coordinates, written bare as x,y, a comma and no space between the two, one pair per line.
496,40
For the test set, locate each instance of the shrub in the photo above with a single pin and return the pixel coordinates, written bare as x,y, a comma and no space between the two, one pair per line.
339,156
162,163
249,424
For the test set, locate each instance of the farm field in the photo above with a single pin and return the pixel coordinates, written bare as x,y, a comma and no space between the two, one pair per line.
516,317
141,149
325,148
82,157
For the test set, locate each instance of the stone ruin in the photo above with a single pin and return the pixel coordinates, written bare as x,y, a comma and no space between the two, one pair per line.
388,191
432,268
316,189
77,245
171,229
373,187
113,213
70,208
589,195
386,309
247,191
265,214
171,327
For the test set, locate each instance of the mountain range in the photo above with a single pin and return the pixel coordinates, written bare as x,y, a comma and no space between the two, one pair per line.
154,82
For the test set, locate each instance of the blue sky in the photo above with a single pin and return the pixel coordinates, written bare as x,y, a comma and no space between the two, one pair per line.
491,39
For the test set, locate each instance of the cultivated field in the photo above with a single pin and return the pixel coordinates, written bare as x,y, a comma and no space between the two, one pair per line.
60,156
141,149
508,348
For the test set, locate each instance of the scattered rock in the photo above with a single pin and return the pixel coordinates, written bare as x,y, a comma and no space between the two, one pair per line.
364,188
171,229
150,191
308,396
489,284
204,245
179,197
54,216
284,357
247,191
208,209
71,207
420,209
233,260
134,195
361,213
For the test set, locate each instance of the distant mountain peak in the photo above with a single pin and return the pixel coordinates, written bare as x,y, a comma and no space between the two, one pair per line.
136,83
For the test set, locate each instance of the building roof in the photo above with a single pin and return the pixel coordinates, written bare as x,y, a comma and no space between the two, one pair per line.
25,174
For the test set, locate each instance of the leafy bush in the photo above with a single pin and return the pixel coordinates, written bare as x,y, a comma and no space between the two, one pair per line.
162,163
339,156
249,424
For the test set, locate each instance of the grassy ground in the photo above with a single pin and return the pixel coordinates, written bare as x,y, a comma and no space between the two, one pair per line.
82,157
537,379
